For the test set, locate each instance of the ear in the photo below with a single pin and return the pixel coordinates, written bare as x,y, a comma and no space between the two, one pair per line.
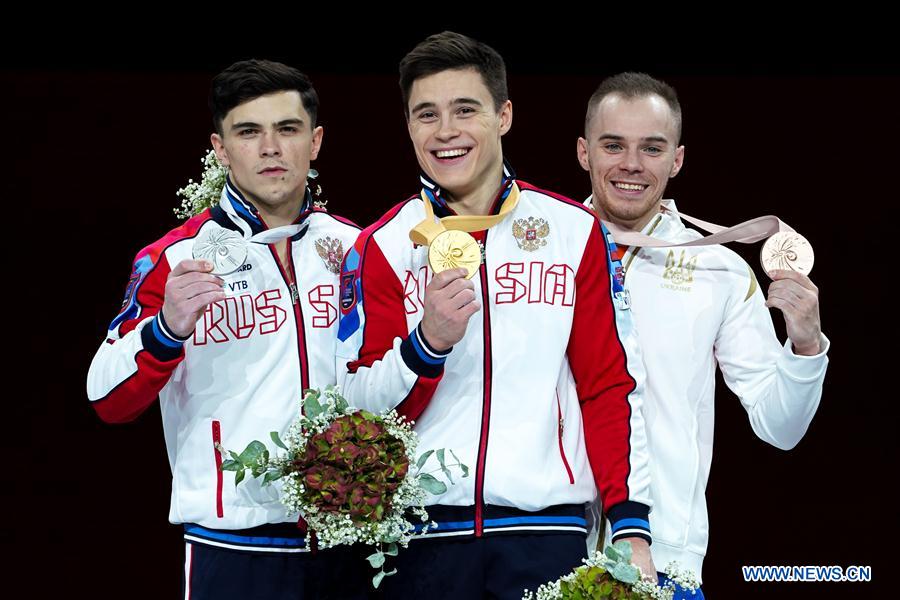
679,161
316,142
219,147
506,115
583,158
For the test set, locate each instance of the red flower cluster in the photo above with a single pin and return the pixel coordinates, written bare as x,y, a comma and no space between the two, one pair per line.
353,467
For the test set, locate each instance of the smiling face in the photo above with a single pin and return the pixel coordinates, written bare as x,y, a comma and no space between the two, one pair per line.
456,131
267,143
631,152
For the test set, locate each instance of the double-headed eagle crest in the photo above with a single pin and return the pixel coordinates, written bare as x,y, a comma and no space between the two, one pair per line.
332,252
531,233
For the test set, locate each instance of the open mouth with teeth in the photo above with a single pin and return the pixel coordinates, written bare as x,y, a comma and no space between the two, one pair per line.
450,155
630,188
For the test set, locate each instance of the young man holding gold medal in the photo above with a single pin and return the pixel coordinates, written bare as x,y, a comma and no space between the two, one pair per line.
695,307
482,309
227,319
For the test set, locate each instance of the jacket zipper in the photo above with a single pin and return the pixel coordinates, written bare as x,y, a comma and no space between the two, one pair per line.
291,284
562,451
486,406
217,441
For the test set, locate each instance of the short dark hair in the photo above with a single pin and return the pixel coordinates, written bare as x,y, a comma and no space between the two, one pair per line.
249,79
450,50
630,85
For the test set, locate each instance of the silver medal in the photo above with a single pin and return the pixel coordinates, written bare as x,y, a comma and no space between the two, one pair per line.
225,249
787,250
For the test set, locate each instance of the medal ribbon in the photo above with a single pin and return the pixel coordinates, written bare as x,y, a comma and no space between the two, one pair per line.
747,232
425,232
271,236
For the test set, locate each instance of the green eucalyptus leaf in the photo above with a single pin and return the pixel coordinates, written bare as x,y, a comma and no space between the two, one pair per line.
440,457
431,485
625,573
239,477
252,454
376,560
423,459
624,549
311,406
392,549
272,476
462,467
231,465
277,439
376,581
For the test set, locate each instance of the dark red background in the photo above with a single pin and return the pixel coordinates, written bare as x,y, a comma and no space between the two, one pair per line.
104,126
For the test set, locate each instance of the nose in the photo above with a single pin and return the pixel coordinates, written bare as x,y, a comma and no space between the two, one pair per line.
447,130
631,161
270,144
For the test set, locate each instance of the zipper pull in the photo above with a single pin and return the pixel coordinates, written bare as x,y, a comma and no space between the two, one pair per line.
295,295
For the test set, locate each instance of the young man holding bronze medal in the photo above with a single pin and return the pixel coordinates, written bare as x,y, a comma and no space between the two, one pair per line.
227,319
481,308
695,307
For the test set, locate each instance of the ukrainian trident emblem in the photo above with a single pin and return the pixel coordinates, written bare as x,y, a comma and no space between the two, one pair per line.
680,273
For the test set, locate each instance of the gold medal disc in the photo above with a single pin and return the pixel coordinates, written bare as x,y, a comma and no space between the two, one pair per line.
454,249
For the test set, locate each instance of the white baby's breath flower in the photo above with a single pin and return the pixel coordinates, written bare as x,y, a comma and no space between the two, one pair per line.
197,197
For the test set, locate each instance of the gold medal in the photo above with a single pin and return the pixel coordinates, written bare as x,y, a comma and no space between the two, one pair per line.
454,249
450,246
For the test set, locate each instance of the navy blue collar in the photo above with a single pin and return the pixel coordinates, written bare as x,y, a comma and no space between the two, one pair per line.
442,209
249,214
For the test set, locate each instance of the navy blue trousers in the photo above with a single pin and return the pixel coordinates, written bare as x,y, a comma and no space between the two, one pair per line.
252,564
497,566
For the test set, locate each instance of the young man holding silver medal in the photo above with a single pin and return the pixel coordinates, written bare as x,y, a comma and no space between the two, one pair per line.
495,330
227,319
694,307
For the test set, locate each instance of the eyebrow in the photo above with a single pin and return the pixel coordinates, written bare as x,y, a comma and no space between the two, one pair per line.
455,101
281,123
466,101
618,138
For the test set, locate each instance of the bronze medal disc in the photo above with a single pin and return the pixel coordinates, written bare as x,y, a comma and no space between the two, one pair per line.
787,250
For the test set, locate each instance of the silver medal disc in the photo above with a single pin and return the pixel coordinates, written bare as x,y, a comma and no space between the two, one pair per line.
787,250
225,249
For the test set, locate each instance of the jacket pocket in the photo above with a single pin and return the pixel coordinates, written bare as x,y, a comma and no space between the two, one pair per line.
562,450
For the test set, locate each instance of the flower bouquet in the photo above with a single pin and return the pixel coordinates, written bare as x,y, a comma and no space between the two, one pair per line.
351,474
610,574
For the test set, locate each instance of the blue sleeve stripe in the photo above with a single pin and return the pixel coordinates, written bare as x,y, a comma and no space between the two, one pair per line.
423,354
164,339
630,523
